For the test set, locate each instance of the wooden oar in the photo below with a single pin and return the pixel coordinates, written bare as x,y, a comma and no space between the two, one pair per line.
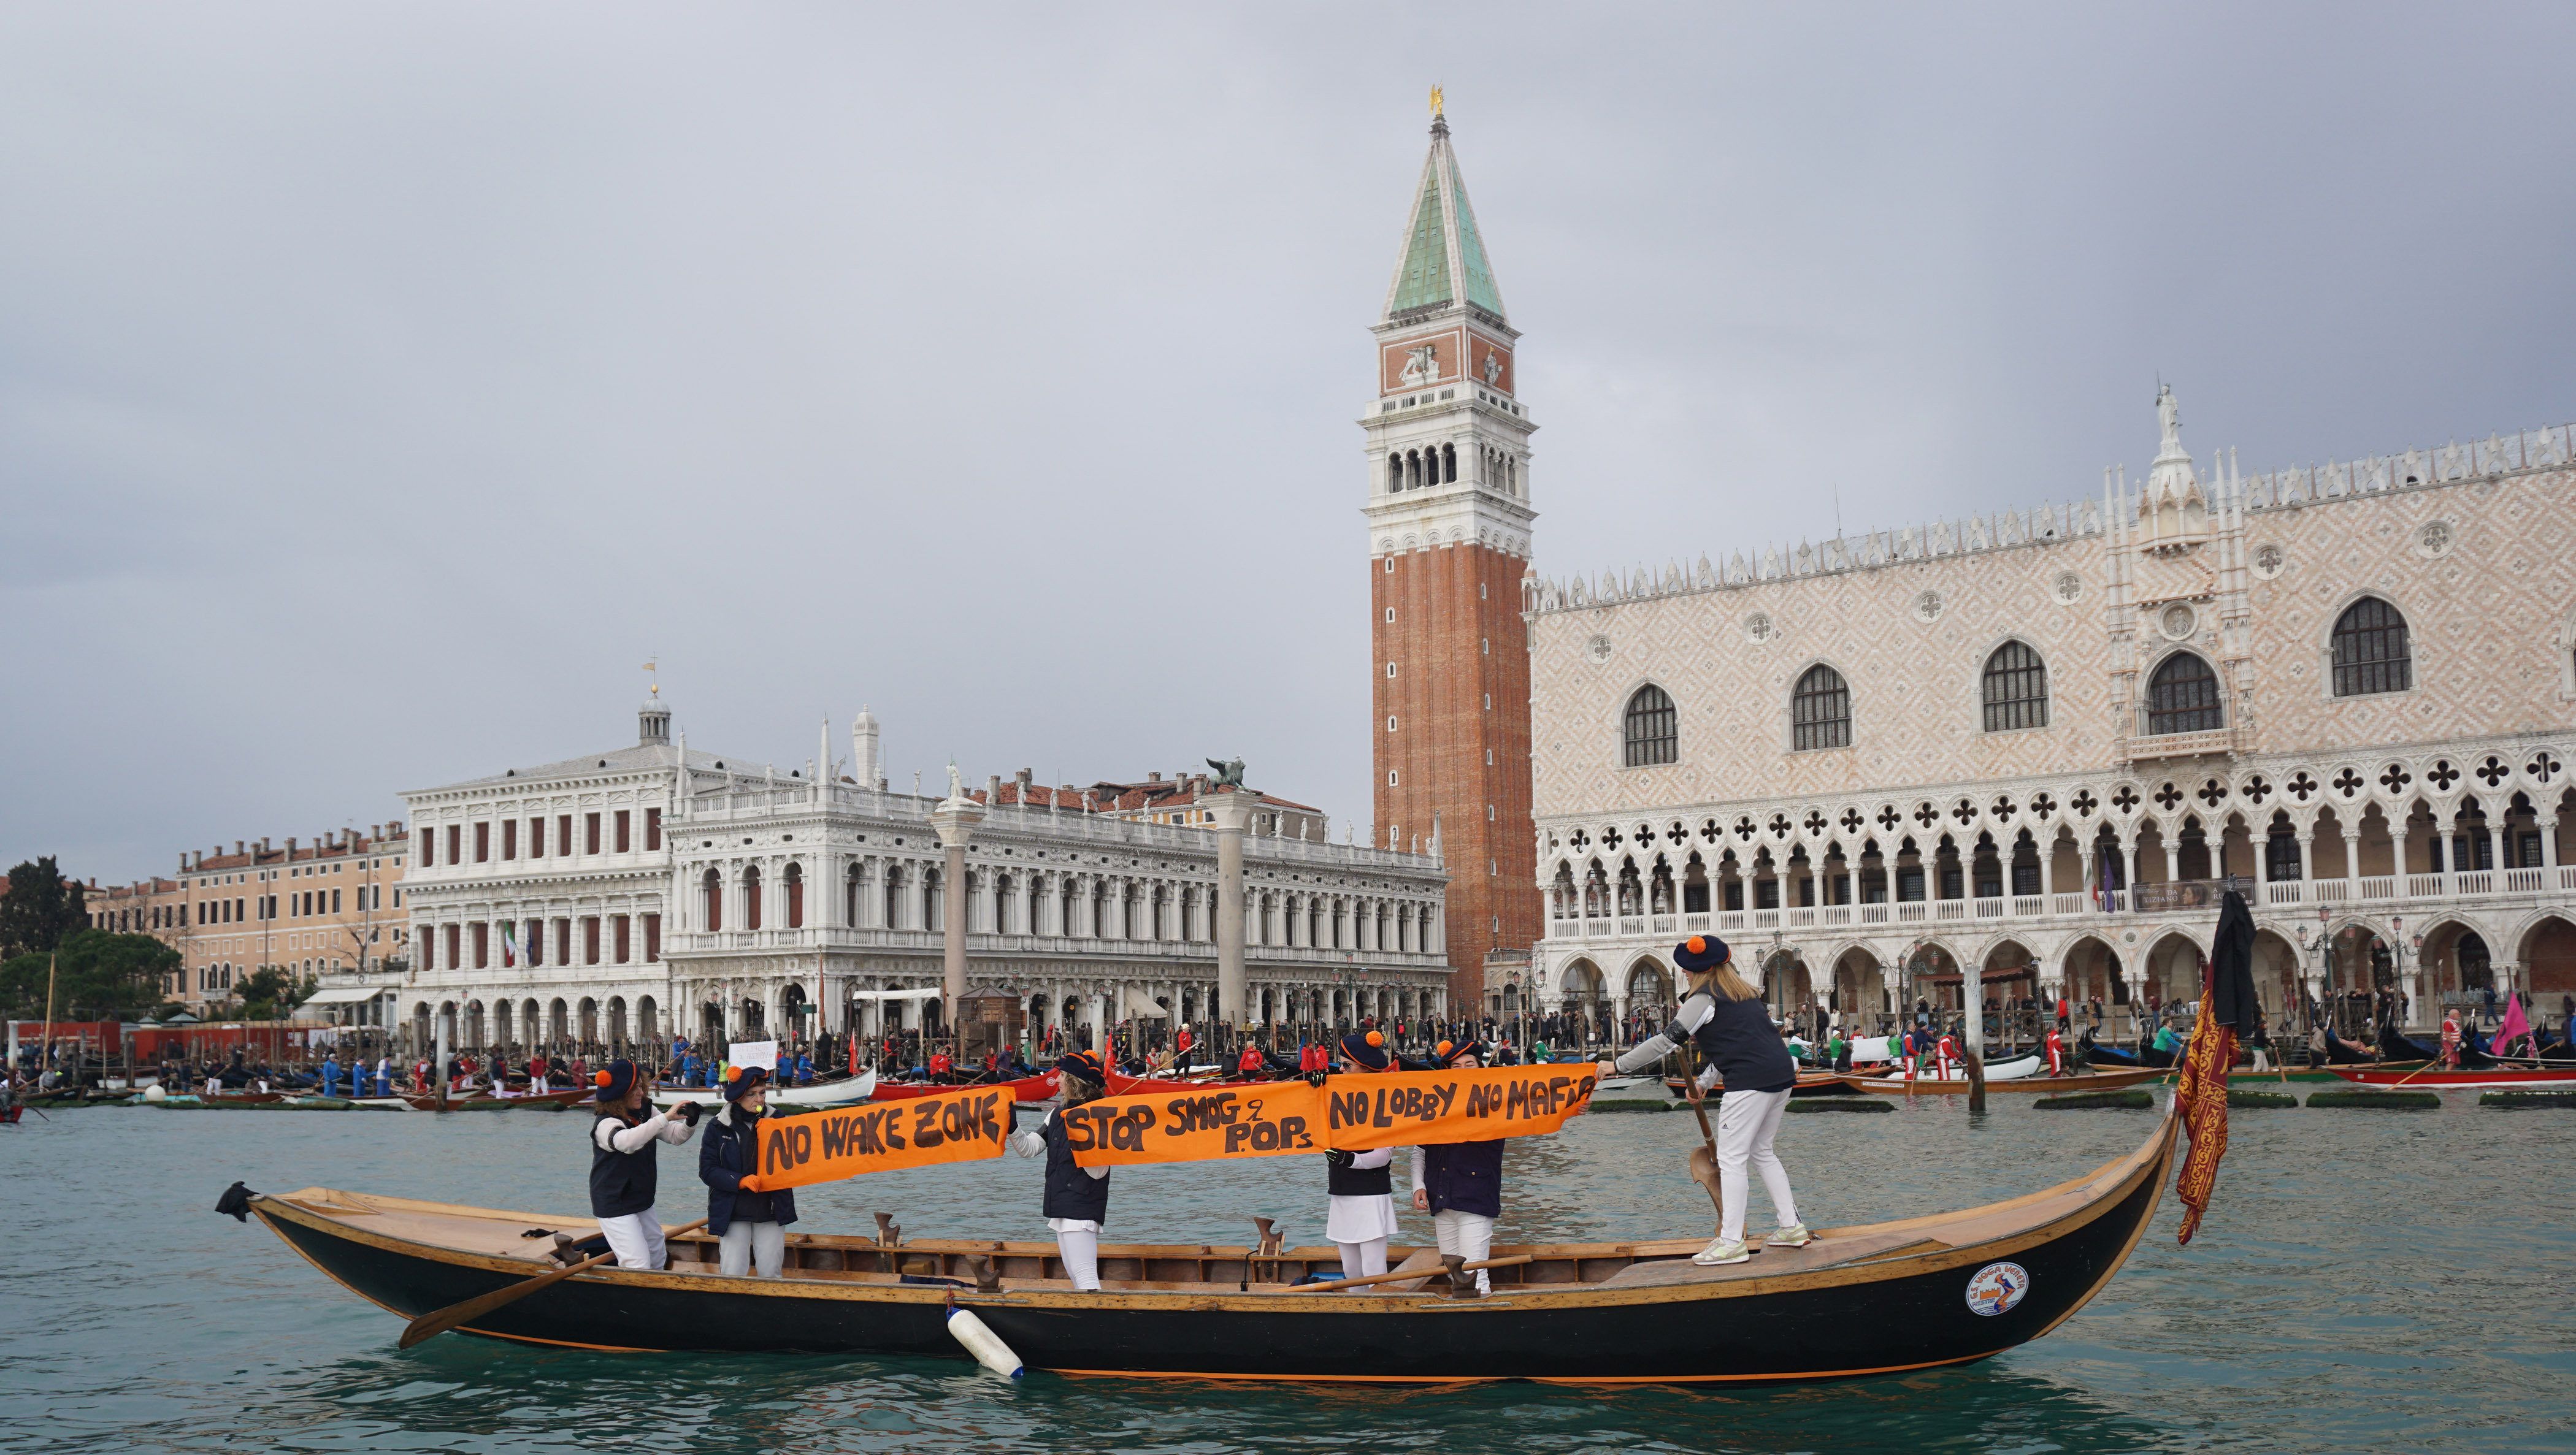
1336,1285
438,1321
1703,1163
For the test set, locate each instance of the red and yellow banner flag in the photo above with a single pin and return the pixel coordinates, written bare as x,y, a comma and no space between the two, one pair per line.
2202,1097
881,1136
1353,1112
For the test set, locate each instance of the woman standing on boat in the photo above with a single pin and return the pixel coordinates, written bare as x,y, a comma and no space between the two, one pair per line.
1359,1192
1077,1197
1724,1017
749,1220
1461,1183
622,1142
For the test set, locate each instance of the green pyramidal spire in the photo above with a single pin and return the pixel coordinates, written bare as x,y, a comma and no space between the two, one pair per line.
1443,253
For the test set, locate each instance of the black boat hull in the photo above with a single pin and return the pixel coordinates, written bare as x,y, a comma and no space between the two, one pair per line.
1900,1311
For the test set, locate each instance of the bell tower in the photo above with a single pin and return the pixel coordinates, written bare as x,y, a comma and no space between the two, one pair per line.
1449,539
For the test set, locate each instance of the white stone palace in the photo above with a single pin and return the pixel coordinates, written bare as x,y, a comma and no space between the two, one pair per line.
2021,753
626,895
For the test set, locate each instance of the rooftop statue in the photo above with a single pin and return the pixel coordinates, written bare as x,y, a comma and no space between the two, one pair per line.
1228,774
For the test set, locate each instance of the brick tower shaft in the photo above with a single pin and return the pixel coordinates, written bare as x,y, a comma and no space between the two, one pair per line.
1449,540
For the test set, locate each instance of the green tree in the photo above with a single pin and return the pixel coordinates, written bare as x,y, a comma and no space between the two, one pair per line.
96,976
40,908
270,991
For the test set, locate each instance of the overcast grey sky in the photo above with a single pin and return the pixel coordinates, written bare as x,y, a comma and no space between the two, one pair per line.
381,385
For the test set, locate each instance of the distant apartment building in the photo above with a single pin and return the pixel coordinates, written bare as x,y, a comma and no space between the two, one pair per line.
331,905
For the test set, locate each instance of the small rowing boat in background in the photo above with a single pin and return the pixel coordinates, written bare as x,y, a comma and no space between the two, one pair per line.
1026,1089
2043,1085
539,1101
1810,1083
839,1091
2516,1078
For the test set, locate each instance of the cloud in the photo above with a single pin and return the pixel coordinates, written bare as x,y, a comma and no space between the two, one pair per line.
379,386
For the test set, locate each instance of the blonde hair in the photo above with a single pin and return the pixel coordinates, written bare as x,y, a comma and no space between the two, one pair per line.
1724,981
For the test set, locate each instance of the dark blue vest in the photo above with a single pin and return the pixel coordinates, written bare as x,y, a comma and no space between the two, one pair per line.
1070,1191
620,1182
1464,1177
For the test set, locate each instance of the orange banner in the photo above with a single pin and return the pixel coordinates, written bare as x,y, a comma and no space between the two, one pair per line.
1351,1112
881,1136
1420,1108
1273,1119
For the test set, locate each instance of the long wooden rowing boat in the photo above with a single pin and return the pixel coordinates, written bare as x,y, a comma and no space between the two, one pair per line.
2522,1078
1956,1086
1027,1088
538,1101
838,1091
1810,1083
1873,1299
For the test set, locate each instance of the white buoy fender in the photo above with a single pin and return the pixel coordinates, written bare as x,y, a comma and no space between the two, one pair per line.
155,1093
983,1343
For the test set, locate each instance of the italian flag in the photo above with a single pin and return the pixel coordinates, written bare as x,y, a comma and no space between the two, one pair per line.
509,944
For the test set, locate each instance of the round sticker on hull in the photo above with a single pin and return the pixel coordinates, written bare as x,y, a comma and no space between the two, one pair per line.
1997,1288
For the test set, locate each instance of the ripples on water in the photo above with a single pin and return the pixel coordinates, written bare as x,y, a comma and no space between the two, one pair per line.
2365,1280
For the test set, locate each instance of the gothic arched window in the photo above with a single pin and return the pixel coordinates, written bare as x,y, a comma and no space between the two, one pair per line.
2371,650
2183,697
1652,732
2016,688
1820,713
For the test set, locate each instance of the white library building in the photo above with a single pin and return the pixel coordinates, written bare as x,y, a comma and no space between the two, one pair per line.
2022,754
626,896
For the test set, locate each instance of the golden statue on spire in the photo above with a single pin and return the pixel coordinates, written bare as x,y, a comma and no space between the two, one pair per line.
1436,113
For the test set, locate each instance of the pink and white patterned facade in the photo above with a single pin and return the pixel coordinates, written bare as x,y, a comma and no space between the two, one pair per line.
2038,742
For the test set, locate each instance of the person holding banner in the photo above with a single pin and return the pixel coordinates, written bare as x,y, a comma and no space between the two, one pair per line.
1077,1197
1461,1183
749,1219
622,1142
1725,1018
1359,1191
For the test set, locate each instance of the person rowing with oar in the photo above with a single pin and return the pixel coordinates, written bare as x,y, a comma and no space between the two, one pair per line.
1461,1183
1724,1017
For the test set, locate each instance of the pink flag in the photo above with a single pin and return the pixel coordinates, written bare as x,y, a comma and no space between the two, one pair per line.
2513,1027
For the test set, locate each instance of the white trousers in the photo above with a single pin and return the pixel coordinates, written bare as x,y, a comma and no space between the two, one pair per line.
1470,1236
1363,1258
636,1239
1080,1251
743,1244
1746,1122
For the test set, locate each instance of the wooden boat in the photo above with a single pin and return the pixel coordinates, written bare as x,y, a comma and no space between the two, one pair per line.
1810,1083
1958,1086
2520,1078
1122,1084
838,1091
1027,1088
538,1101
1875,1299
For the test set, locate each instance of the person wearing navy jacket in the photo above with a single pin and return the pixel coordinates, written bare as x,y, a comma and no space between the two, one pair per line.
1076,1201
1461,1183
1724,1017
749,1220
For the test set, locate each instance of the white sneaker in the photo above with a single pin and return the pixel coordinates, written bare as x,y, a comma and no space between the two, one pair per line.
1722,1250
1793,1236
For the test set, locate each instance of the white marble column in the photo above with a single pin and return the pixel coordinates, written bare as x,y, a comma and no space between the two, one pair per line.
1232,813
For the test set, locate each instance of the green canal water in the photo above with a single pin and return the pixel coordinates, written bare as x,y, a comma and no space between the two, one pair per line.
2366,1281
